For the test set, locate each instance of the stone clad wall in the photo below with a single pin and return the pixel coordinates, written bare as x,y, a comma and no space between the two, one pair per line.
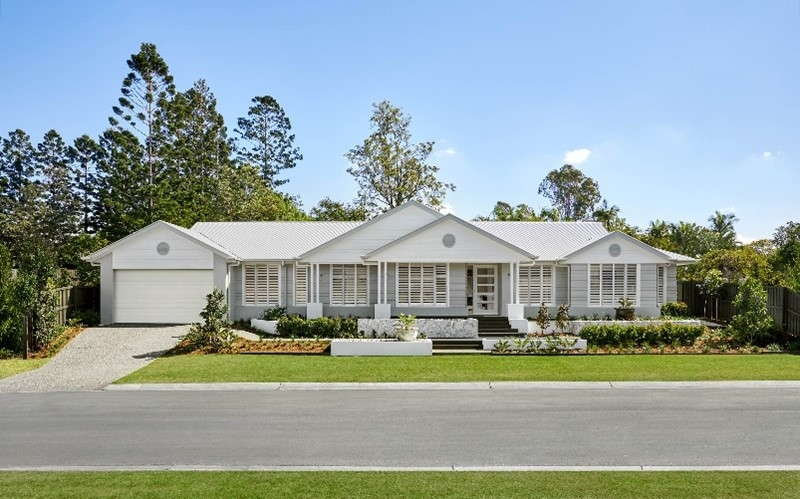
432,328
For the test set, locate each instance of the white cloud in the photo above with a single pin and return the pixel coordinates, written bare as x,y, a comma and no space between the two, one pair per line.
446,152
767,155
577,156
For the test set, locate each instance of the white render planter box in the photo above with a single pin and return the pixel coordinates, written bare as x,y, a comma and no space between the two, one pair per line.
580,344
269,327
364,347
431,328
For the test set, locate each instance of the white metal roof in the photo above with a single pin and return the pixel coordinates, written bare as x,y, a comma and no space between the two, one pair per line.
548,240
271,240
288,240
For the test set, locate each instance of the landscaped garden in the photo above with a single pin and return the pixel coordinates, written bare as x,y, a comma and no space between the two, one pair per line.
724,484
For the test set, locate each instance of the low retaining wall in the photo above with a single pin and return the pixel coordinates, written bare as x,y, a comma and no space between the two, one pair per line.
269,327
431,328
373,347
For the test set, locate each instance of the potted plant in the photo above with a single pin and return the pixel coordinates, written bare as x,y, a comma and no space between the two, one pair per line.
625,311
406,328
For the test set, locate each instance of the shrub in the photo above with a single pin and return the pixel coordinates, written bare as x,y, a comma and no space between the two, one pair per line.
752,321
543,318
615,335
675,309
213,334
625,311
294,326
273,314
563,318
84,317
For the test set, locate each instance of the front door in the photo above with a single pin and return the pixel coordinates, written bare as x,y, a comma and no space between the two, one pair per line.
484,290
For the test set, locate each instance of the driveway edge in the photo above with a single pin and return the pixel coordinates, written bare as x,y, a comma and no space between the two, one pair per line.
485,386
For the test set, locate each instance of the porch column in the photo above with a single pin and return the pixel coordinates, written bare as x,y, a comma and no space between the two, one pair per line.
382,310
516,311
314,308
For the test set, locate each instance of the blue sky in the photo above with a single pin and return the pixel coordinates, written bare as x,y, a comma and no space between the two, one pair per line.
676,108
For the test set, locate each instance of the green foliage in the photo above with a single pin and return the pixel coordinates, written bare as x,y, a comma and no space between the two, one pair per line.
390,169
675,309
328,209
265,140
37,277
543,318
625,311
570,192
214,333
733,265
11,311
616,335
294,326
505,212
562,318
273,314
786,258
752,321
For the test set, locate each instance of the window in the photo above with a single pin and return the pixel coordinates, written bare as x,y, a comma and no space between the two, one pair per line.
423,284
661,282
535,284
262,284
349,284
609,282
301,284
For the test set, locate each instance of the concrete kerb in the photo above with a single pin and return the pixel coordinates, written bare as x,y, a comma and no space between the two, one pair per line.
482,385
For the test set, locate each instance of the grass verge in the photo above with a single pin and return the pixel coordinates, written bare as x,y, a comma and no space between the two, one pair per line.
10,367
241,368
400,484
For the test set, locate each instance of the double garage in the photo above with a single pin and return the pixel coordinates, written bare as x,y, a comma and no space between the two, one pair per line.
159,275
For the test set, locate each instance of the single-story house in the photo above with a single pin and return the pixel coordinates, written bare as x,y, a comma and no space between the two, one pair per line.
411,259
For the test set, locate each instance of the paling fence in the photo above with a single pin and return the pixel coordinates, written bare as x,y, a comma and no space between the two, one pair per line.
783,304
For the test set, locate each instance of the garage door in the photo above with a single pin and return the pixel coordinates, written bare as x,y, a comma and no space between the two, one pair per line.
160,296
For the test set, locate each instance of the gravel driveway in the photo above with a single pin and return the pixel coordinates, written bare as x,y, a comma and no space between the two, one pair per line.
95,358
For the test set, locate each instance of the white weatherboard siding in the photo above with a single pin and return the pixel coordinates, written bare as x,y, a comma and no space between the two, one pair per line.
364,239
630,253
160,296
426,246
140,253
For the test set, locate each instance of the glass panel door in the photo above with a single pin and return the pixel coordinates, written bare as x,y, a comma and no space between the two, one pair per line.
485,289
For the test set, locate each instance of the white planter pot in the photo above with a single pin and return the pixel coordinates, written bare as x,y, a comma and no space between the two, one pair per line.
409,334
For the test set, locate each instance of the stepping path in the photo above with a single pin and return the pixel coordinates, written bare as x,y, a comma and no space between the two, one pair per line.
96,357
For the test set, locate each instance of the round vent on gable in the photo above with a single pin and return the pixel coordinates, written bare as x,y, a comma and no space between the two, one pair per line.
614,250
162,248
449,240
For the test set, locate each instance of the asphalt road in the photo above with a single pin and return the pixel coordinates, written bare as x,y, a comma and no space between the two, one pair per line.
548,427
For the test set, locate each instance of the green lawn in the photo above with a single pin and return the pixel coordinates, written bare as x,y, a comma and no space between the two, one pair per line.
232,368
10,367
401,484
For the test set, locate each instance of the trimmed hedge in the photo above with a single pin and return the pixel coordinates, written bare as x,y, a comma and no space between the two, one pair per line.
615,335
294,326
675,309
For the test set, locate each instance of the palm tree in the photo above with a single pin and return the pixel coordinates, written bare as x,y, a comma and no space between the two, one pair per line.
722,226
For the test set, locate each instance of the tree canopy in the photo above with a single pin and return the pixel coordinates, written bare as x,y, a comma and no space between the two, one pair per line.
390,169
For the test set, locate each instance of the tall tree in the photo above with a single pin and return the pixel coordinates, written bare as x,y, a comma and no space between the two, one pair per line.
787,253
328,209
722,224
17,167
506,212
242,195
58,183
610,216
198,152
146,92
571,192
390,169
85,153
265,140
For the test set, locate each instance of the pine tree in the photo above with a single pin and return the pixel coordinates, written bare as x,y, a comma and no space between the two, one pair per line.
146,92
17,168
198,152
85,155
266,141
62,205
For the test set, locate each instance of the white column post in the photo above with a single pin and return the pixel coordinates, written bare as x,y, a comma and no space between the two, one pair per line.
516,311
382,310
378,300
